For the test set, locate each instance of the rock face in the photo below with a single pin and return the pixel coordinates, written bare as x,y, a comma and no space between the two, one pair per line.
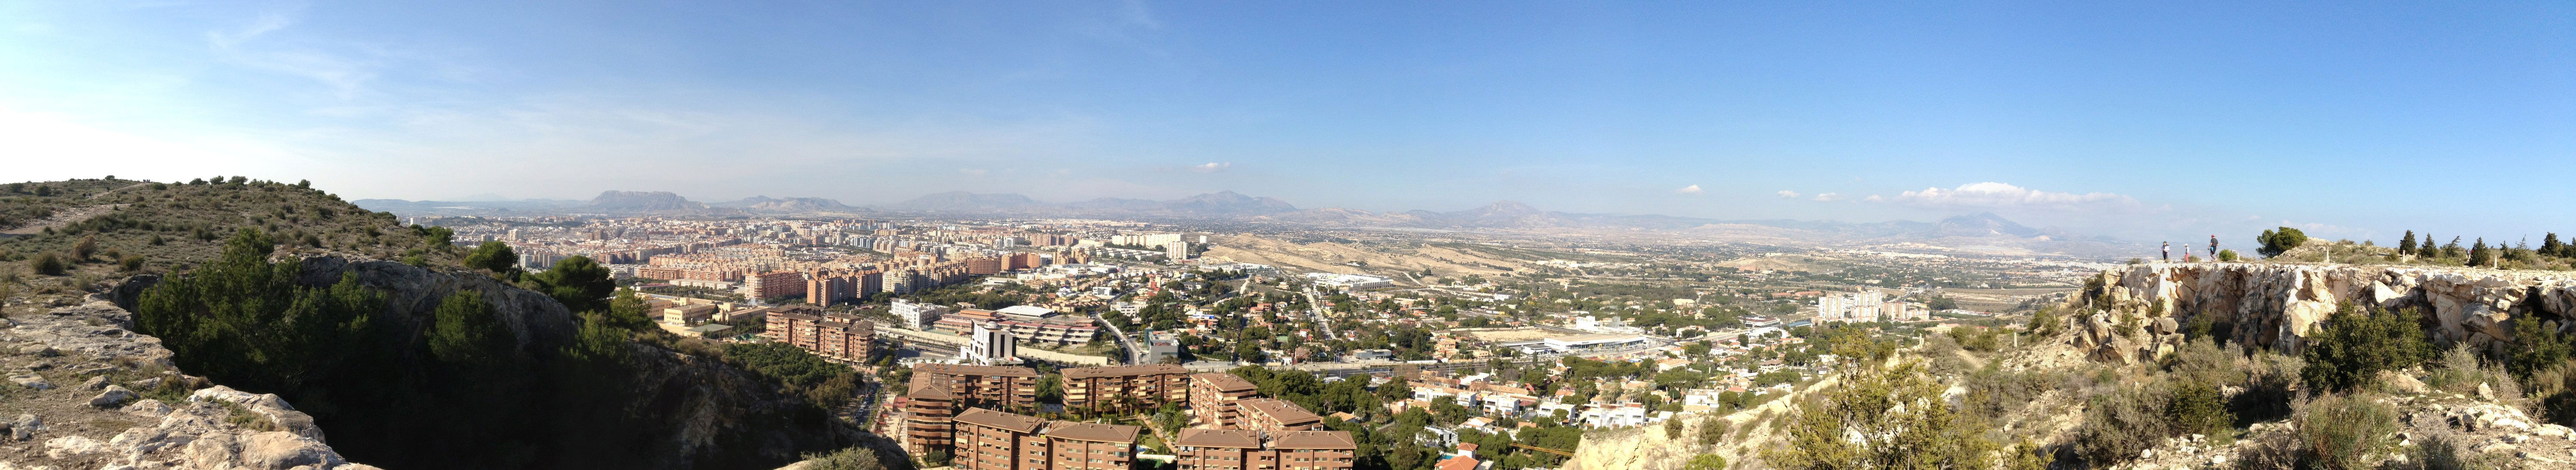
2279,305
217,428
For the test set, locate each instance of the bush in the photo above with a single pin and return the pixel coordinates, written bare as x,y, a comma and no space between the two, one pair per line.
131,263
2556,389
1706,462
2535,346
2354,346
2045,322
854,458
2457,371
2120,424
86,246
48,264
2344,431
2198,408
1713,430
492,256
2276,242
2228,256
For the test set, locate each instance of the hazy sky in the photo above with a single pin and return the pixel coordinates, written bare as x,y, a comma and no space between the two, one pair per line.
2150,120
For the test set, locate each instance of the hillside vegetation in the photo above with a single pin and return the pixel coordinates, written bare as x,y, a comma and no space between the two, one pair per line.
423,363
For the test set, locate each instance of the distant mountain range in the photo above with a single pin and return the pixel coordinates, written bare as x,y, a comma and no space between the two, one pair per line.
1980,229
1221,204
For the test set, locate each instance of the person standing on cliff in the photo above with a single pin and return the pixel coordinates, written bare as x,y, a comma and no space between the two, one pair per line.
2167,255
2213,247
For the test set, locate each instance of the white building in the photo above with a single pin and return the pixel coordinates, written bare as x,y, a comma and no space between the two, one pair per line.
990,345
916,316
1349,281
1846,307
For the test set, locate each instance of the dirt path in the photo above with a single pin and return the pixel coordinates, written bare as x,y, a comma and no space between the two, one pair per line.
119,188
61,217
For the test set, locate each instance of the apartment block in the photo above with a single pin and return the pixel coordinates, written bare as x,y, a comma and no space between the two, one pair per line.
774,284
993,440
835,336
929,414
1214,397
1272,414
1124,389
1244,449
1002,387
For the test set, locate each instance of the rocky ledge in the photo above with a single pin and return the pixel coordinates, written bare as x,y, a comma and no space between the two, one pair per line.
2278,304
87,392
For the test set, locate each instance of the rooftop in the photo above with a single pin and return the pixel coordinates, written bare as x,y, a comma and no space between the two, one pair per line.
1224,382
1236,438
1312,440
962,369
1092,432
1112,371
996,419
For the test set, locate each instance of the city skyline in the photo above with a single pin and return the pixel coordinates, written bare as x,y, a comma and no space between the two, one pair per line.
2139,122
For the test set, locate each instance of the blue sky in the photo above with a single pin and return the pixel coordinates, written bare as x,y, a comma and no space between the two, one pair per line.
2146,121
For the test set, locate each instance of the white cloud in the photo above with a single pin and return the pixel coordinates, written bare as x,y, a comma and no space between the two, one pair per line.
1828,197
2000,195
1692,189
1874,198
1212,167
972,171
1787,194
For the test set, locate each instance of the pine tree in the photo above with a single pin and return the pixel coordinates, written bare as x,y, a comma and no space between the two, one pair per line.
2549,245
2478,254
2452,249
2406,245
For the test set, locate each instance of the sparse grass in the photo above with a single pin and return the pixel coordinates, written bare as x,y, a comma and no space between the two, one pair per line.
242,416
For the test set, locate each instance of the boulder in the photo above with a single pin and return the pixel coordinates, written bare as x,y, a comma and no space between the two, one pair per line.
73,446
113,397
281,449
147,407
24,427
39,350
94,383
31,381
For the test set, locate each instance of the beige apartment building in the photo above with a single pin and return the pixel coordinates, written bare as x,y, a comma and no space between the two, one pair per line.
993,440
1214,397
1245,449
1124,389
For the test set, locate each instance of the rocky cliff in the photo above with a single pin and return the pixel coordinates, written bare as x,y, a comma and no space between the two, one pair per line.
2278,305
83,389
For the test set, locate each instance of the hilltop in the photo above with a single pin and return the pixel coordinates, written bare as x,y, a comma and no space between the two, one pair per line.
614,392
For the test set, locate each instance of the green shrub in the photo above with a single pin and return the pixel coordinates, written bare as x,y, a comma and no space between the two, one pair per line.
854,458
2344,431
2556,389
48,264
131,263
2120,424
2276,242
1713,430
2535,346
2198,408
492,256
86,246
2354,346
2228,256
2456,371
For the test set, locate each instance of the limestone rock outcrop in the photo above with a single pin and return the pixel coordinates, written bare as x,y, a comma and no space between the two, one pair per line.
2278,305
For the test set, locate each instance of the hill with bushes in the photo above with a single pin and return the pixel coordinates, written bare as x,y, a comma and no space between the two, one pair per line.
402,354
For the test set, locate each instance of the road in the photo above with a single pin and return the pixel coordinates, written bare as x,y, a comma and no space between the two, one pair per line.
1134,355
1315,307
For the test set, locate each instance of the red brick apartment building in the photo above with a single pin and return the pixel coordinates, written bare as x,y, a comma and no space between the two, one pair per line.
1214,397
1245,449
1272,414
835,336
993,440
939,391
1124,389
